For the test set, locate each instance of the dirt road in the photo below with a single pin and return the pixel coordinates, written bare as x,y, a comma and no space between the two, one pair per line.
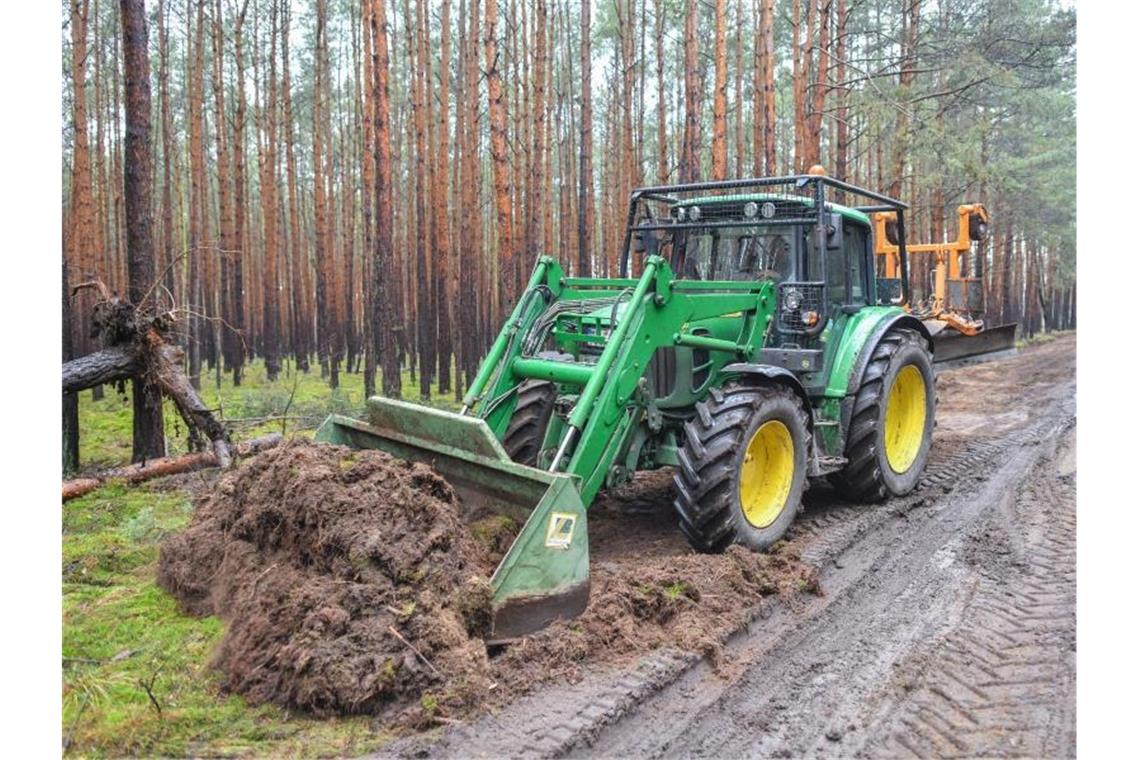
946,623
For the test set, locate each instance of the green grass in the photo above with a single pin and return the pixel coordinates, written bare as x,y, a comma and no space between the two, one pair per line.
122,634
1041,338
105,425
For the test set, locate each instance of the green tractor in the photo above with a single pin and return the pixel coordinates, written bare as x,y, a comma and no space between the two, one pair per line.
755,349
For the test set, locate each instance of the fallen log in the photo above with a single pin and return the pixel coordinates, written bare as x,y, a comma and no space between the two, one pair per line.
157,468
107,366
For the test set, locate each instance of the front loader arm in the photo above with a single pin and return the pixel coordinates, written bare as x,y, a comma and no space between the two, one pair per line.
650,312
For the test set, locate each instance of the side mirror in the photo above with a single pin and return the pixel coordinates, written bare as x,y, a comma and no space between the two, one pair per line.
835,232
646,240
979,228
892,227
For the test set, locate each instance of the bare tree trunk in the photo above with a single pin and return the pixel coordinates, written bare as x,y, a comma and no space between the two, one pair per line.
720,85
769,77
662,120
906,76
302,317
197,198
237,315
146,398
271,314
585,155
738,92
690,161
799,77
841,92
444,299
499,166
80,236
384,269
813,153
70,400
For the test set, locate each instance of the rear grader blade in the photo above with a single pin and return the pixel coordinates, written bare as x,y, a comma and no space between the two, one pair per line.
951,345
545,573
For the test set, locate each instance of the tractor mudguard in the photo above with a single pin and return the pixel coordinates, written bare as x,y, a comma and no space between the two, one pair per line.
770,372
880,320
900,319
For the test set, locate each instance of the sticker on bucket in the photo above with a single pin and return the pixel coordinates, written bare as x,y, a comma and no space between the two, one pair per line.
560,530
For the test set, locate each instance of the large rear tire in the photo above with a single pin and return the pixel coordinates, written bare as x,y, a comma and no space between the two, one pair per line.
892,421
743,464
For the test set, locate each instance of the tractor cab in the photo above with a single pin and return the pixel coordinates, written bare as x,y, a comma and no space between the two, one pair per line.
793,237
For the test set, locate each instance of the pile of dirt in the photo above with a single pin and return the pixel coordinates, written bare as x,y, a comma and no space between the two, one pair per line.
350,583
347,580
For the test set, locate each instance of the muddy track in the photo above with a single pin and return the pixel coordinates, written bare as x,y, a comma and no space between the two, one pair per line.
946,624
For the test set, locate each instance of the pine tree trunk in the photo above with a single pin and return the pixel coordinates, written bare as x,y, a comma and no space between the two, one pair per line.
444,295
146,397
585,154
662,116
197,236
81,240
768,74
383,268
269,330
70,417
841,131
497,108
690,161
815,122
720,99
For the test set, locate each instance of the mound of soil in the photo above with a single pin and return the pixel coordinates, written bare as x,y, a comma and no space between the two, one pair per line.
350,583
347,581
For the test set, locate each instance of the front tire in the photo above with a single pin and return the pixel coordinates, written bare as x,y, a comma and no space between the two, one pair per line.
527,428
892,421
743,464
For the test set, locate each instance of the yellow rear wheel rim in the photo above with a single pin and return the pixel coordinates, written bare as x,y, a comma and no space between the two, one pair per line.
766,473
904,425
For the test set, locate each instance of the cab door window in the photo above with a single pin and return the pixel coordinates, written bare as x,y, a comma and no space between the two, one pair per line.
855,252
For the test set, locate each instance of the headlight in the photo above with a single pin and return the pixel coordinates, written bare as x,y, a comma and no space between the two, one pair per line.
694,213
751,209
792,299
679,214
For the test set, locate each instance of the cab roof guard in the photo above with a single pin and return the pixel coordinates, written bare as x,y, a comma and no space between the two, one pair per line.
817,184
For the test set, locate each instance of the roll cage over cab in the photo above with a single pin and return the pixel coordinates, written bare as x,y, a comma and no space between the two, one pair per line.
773,228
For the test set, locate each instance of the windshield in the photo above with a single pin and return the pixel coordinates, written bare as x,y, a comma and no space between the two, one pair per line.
738,253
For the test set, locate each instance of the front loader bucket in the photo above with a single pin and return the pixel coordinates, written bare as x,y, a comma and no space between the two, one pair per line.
990,343
545,573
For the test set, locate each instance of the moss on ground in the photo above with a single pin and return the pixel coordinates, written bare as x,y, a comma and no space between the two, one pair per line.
125,640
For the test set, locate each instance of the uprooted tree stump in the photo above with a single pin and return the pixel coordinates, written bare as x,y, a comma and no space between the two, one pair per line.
136,346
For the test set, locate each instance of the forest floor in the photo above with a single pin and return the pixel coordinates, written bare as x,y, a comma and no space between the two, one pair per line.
944,614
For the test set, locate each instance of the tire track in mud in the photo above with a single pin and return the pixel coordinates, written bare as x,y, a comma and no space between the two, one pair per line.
660,706
817,687
992,686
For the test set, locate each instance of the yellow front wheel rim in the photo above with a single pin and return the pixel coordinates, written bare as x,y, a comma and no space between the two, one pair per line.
904,425
766,474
